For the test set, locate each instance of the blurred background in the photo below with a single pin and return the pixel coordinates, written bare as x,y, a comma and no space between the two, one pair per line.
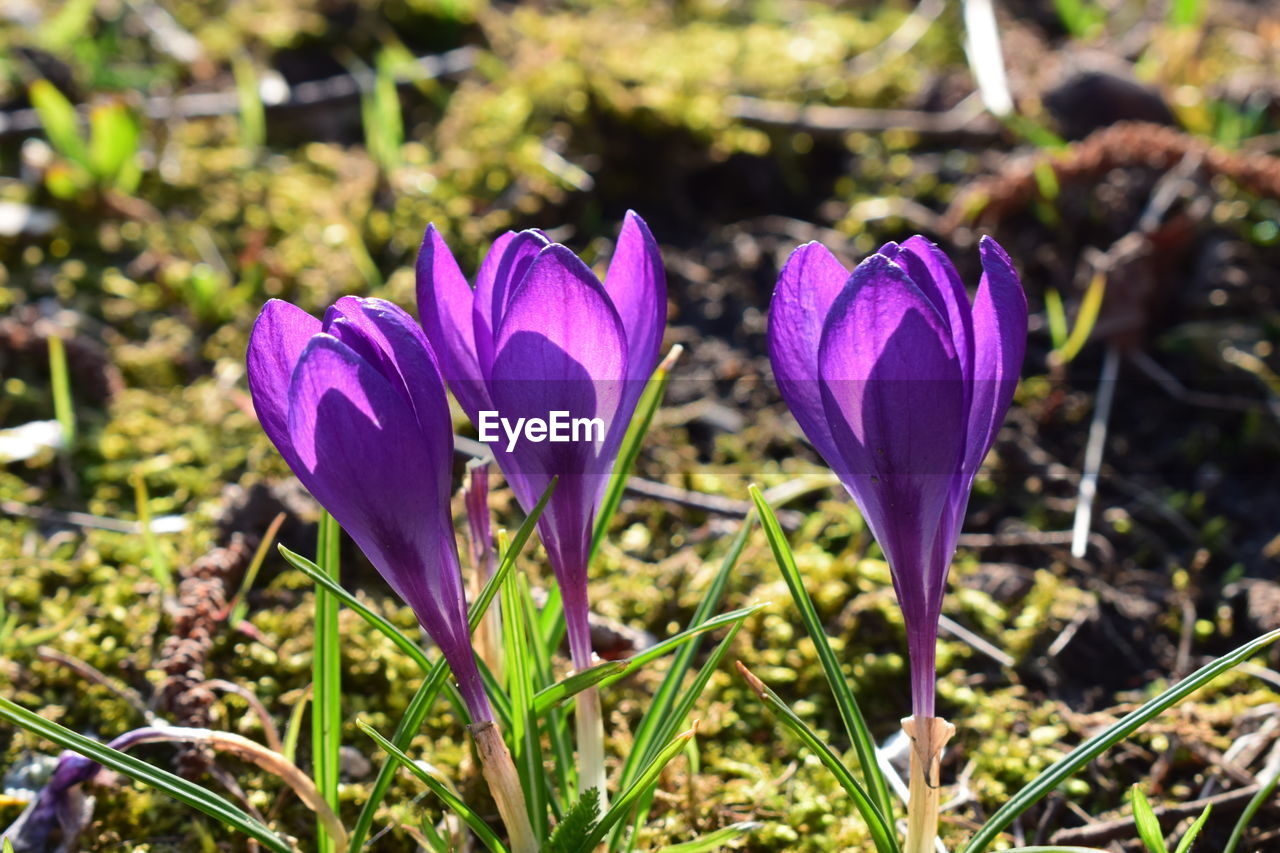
168,165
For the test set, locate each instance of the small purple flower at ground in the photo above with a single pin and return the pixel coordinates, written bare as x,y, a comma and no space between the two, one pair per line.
901,384
540,335
356,405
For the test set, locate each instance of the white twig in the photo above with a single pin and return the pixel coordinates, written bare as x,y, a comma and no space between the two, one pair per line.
982,47
1093,452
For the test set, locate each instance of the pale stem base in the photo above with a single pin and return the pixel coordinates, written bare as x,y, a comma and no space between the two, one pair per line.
928,736
504,784
590,727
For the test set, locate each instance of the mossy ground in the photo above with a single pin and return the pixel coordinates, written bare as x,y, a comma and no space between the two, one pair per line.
571,114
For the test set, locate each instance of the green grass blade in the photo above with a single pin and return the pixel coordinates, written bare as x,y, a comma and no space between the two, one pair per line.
1056,317
1272,775
330,587
60,122
451,800
1190,837
610,671
526,745
679,712
854,723
174,786
1086,319
113,142
60,384
160,568
293,729
326,705
1067,766
881,829
1146,822
714,840
665,696
564,767
240,603
422,701
253,115
647,777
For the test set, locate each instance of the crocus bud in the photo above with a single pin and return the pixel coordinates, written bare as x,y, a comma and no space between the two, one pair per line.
356,405
901,384
538,335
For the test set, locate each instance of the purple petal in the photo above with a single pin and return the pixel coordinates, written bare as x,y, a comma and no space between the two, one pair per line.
445,303
360,452
933,272
561,347
502,270
895,397
807,287
637,286
403,356
1000,341
278,338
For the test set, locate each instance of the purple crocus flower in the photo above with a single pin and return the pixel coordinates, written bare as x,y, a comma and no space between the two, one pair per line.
540,334
356,406
901,384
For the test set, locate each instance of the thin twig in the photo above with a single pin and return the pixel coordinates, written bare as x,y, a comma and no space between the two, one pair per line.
1093,453
1112,830
92,673
255,704
311,93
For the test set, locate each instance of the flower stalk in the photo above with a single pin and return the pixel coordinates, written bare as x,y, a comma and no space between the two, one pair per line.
589,725
504,783
929,735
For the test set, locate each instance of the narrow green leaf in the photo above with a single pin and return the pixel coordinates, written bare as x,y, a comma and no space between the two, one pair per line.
610,671
563,766
1053,849
1184,14
679,712
60,383
1190,837
665,696
1146,822
1055,317
180,789
854,723
622,806
526,745
1086,319
114,135
160,568
422,701
1270,775
330,587
326,705
60,122
881,829
450,799
293,729
253,116
1067,766
240,602
714,840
